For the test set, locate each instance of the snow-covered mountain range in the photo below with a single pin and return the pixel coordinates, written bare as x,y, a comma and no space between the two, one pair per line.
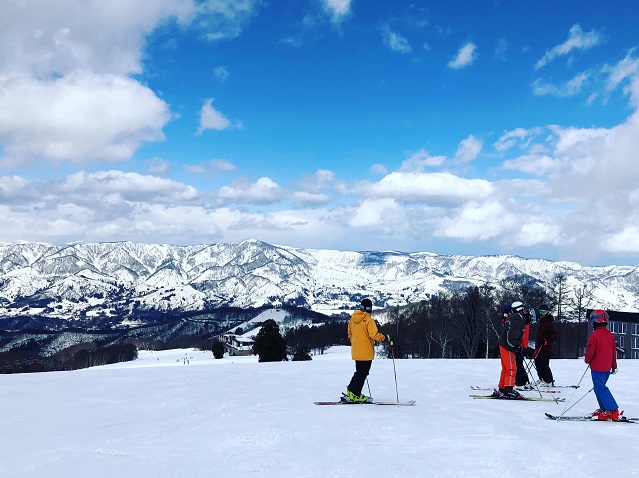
116,282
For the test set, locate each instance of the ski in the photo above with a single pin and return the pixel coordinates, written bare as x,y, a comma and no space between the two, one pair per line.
521,398
402,404
476,387
560,418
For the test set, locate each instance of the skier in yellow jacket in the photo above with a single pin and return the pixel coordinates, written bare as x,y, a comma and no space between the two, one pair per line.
362,332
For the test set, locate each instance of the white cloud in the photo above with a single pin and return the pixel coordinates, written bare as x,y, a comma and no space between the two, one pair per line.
307,198
570,88
501,48
465,56
262,191
43,38
130,186
436,188
378,169
210,118
538,165
158,166
625,240
337,9
395,41
66,74
82,117
224,19
518,136
469,149
215,166
420,160
221,73
477,221
577,40
373,212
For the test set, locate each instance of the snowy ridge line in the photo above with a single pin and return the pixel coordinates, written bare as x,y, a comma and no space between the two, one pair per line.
60,283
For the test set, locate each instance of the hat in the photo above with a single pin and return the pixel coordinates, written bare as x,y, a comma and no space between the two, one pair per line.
367,305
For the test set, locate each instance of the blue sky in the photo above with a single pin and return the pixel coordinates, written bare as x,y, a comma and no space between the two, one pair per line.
476,127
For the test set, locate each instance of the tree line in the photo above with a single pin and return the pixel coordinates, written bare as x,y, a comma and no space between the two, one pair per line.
466,323
26,358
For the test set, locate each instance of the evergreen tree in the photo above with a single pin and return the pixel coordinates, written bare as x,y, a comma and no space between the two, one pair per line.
302,353
269,344
218,350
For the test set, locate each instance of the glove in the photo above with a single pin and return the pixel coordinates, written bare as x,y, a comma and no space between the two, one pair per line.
614,371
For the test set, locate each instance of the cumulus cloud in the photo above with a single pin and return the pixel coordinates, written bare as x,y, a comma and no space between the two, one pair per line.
465,56
577,40
81,117
66,75
210,118
436,188
373,212
469,149
395,41
262,191
535,164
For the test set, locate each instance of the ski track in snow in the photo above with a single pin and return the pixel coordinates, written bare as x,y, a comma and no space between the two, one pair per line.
159,417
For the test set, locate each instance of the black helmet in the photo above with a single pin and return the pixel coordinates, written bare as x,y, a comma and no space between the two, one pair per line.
367,305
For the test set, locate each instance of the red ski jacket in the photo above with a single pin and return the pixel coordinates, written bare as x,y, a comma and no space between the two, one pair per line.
601,350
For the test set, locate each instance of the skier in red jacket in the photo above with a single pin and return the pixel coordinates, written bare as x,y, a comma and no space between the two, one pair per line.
601,355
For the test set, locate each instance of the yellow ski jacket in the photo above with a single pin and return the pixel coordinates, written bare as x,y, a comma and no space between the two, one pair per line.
362,331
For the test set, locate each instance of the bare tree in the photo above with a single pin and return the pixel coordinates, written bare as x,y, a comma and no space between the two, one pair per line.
582,297
559,287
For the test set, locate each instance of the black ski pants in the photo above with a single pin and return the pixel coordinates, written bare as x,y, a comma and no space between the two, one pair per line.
542,362
521,378
362,367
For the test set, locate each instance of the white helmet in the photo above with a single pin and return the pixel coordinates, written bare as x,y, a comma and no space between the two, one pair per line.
517,306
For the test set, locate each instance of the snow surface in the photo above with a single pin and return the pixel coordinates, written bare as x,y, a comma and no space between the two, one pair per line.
182,413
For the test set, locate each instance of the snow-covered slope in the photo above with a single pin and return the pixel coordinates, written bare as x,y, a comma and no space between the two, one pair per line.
111,280
181,413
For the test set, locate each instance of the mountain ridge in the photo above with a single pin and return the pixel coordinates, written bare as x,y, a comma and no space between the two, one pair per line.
103,282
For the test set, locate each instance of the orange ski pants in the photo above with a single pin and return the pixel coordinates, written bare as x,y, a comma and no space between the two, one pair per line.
508,368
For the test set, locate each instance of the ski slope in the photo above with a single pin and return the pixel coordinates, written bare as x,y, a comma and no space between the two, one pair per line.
181,413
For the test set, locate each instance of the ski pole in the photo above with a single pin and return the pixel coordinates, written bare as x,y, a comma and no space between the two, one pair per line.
573,393
369,388
394,370
565,410
536,385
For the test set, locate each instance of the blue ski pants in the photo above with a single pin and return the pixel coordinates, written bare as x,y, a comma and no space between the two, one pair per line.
604,397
